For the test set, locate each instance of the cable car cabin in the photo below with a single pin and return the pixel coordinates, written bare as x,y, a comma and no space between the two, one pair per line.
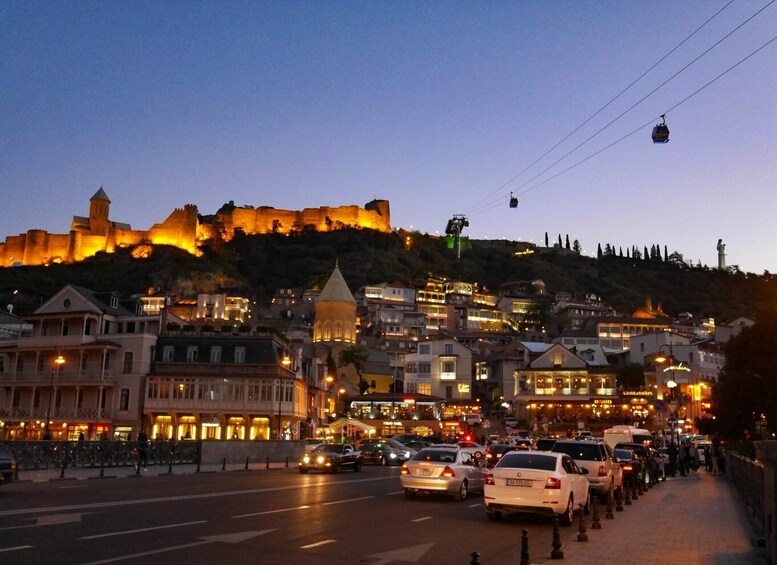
513,201
661,132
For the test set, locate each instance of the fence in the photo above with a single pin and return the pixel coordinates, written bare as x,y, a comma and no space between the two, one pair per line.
747,477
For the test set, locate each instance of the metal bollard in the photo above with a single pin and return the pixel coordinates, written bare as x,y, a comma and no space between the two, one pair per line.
608,515
224,464
267,465
102,467
524,547
16,472
581,529
556,553
595,523
170,467
475,560
626,489
64,466
619,499
246,463
635,489
287,461
199,459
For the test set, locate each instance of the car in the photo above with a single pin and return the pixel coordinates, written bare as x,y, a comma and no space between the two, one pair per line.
7,465
444,469
649,466
544,443
382,453
331,457
596,456
511,422
312,443
518,441
544,483
495,452
629,462
417,444
408,452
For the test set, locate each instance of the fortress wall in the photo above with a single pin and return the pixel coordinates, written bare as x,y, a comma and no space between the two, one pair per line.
179,229
12,251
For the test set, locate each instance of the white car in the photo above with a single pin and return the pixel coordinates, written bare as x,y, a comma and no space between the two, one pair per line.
538,482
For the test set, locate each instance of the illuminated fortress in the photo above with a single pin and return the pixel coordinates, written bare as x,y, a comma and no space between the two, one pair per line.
183,228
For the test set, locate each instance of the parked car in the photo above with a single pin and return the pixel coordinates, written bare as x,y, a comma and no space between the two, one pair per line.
629,462
529,481
518,441
495,452
544,443
445,469
649,466
383,454
332,457
7,465
596,456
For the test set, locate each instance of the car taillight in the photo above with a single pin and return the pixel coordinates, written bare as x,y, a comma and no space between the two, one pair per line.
489,455
448,472
550,482
628,468
488,479
602,471
404,470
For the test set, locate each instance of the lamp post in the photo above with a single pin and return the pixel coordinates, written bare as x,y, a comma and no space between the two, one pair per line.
286,362
58,362
342,428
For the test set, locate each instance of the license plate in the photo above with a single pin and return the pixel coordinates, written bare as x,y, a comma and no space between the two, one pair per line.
518,482
424,472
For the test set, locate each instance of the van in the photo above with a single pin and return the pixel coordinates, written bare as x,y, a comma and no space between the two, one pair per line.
627,434
473,419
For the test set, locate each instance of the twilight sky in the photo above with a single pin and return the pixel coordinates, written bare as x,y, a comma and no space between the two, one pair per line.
440,107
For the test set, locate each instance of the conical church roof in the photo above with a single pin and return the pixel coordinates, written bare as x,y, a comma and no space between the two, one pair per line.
100,195
335,289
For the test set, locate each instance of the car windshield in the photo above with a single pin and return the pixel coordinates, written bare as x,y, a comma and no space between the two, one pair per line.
624,454
330,448
524,460
579,450
545,444
640,450
436,455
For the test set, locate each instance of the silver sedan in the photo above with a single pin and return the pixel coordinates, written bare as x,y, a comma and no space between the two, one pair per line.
448,470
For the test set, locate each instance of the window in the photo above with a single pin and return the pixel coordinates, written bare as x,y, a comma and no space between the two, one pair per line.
423,388
65,328
240,354
127,362
84,361
88,327
40,364
424,349
191,354
424,368
2,363
266,391
448,349
44,329
183,388
124,399
167,353
448,392
207,391
215,354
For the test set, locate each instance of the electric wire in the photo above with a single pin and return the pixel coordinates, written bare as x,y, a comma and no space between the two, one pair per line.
592,116
496,204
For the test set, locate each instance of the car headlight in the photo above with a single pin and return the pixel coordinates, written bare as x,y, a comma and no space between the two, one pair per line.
393,455
306,459
320,459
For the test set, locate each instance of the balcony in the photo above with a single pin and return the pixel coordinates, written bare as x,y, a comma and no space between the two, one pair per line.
62,377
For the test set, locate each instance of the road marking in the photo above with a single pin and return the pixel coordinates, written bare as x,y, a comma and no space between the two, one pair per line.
70,488
347,500
133,502
272,511
17,548
411,554
144,530
227,538
319,544
422,519
54,519
395,492
474,505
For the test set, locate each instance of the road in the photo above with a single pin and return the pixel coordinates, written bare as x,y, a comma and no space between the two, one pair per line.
253,517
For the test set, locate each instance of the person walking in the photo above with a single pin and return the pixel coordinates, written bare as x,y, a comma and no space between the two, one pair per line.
708,458
714,454
143,450
693,457
682,457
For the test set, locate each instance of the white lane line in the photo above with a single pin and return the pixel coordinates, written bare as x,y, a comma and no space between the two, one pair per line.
272,511
319,544
422,519
17,548
70,488
132,502
475,505
348,500
144,530
395,492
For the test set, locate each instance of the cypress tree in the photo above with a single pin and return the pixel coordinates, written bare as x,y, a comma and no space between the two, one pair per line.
598,250
567,242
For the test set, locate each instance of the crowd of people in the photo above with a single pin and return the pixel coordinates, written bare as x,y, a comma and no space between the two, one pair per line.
686,458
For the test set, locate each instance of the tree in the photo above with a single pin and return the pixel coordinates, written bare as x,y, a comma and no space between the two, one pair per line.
747,385
356,356
645,255
631,377
607,249
599,251
666,253
658,253
576,247
559,241
546,239
566,244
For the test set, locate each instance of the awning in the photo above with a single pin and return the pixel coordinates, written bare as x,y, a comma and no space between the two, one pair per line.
350,423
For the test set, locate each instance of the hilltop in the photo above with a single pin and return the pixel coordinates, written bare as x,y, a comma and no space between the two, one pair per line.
258,264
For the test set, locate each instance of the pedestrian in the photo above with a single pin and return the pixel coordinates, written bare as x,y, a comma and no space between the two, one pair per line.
682,457
143,450
81,439
672,458
715,454
694,457
707,458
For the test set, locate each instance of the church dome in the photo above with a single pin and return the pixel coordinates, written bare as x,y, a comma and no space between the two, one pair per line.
336,289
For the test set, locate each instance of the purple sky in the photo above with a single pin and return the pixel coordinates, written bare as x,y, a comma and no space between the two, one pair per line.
433,106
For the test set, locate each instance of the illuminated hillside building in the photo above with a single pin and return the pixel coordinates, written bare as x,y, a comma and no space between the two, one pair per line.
183,228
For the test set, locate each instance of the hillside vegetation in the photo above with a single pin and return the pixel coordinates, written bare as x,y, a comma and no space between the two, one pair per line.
258,264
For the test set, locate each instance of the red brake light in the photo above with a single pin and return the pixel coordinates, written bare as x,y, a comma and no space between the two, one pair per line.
550,482
448,472
404,470
489,455
488,479
602,471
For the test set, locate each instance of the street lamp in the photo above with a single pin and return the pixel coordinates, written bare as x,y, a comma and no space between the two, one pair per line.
286,362
58,362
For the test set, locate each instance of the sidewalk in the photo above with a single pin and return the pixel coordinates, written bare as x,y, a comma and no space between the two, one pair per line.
696,520
80,473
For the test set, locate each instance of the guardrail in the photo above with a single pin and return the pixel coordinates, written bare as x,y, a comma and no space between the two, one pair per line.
747,477
34,455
